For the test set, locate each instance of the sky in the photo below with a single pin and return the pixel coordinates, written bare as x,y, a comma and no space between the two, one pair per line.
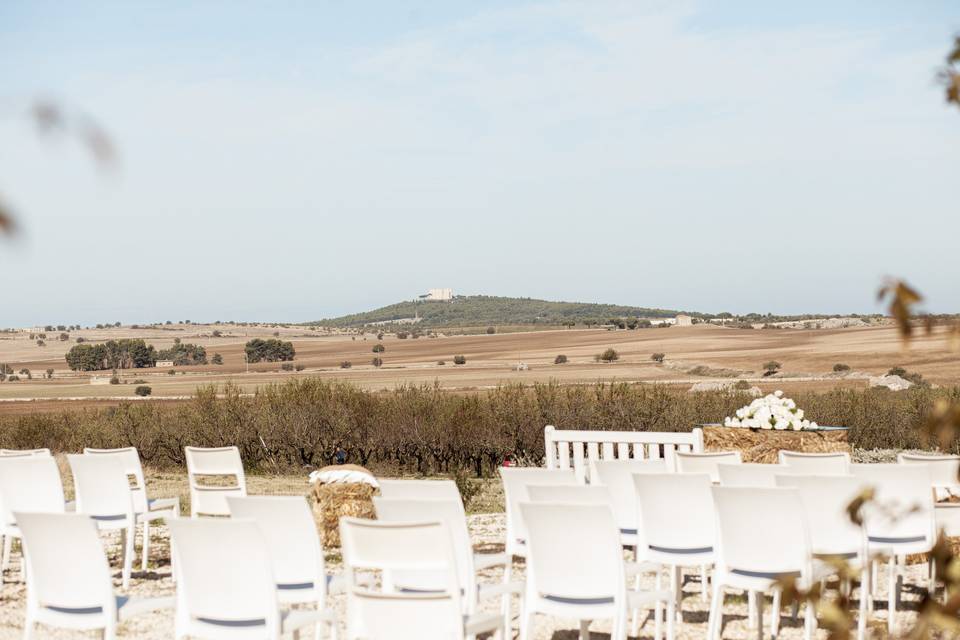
296,161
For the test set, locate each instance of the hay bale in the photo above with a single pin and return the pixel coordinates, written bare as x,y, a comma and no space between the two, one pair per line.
764,445
333,501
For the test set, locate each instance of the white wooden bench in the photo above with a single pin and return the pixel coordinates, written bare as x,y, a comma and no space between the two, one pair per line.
577,449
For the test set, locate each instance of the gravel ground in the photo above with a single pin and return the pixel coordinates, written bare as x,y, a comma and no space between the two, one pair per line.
487,531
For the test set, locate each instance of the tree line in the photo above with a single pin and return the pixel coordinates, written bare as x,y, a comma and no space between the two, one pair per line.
301,423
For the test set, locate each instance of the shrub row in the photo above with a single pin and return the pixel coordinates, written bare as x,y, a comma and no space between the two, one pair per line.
301,423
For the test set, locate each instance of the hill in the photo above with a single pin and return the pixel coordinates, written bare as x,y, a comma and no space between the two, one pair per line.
473,311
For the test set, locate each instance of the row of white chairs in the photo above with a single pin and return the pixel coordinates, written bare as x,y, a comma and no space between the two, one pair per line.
671,519
238,577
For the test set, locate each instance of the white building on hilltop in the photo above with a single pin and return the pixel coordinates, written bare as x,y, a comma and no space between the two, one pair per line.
438,294
683,320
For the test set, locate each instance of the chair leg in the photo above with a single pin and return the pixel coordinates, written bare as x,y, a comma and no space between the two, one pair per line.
584,630
760,597
901,562
7,548
127,539
703,583
29,628
635,615
751,610
658,608
145,546
864,598
775,614
676,588
672,619
527,621
891,592
715,621
809,620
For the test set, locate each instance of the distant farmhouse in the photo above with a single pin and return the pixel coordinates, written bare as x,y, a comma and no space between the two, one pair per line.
683,320
164,363
438,294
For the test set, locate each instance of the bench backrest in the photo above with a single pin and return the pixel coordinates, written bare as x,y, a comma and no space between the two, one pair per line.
577,449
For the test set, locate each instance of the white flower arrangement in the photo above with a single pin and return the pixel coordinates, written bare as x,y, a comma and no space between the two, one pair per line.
771,412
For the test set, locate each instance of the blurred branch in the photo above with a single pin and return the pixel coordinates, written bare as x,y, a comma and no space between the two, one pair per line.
51,118
950,74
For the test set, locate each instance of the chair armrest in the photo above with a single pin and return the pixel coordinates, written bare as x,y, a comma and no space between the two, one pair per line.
483,561
635,568
158,504
496,589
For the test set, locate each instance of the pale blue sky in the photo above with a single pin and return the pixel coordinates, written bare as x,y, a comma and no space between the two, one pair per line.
324,158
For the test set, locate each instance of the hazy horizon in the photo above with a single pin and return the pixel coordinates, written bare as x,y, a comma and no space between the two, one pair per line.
303,163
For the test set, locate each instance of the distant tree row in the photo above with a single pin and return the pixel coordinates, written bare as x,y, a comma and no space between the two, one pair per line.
114,354
270,350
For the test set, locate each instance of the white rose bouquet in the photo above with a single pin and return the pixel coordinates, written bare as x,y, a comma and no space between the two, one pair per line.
770,412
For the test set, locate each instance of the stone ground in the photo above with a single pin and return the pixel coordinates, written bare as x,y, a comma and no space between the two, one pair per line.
487,531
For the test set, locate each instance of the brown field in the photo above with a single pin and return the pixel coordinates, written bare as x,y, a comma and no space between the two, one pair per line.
807,357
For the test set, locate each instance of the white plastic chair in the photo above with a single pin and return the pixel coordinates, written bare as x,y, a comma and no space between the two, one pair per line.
145,509
515,481
900,521
27,484
449,511
677,525
296,554
762,537
944,472
568,577
398,548
437,490
207,499
15,453
617,477
225,583
820,464
68,578
749,474
103,492
832,533
706,462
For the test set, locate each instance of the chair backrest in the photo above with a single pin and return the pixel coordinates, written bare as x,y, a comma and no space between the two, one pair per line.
101,487
130,458
751,474
392,547
446,510
573,494
825,500
762,530
208,499
573,551
66,563
515,481
290,532
29,484
419,489
14,453
706,462
223,571
568,449
902,507
617,477
821,464
944,470
676,511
